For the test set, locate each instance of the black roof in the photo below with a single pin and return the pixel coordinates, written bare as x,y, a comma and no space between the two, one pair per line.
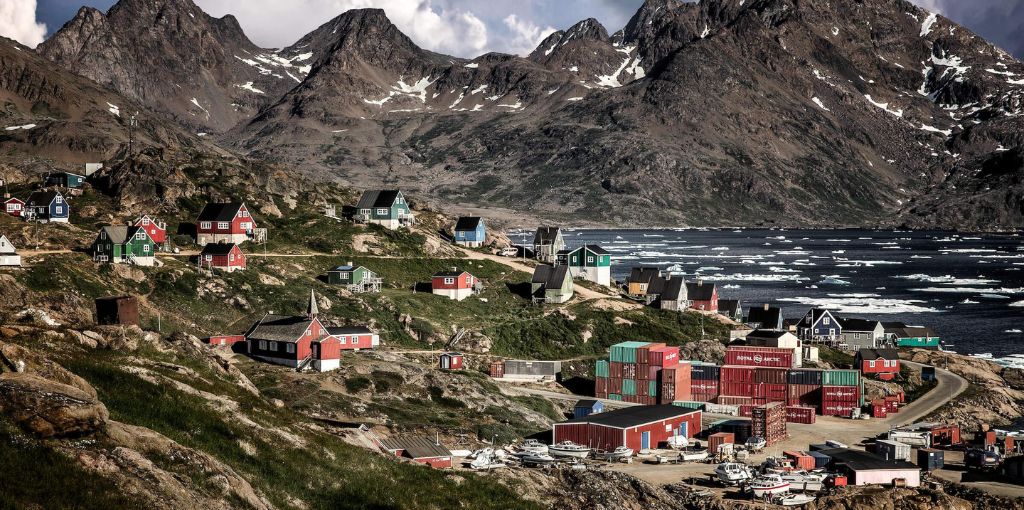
643,274
551,277
893,325
673,287
729,305
766,333
218,248
814,314
596,249
586,402
858,324
867,353
279,328
451,273
38,198
859,460
914,332
416,447
764,316
468,223
700,291
220,212
349,330
546,235
633,416
377,198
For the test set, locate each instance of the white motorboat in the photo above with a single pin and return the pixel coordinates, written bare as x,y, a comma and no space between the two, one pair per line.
536,459
693,455
569,449
619,453
755,443
487,459
733,473
533,446
768,485
794,500
804,481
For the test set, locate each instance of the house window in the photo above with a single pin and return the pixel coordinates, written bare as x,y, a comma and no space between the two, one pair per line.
231,257
59,199
245,214
209,258
382,212
273,346
290,348
263,345
825,321
871,364
145,222
59,210
205,225
590,259
246,225
449,281
469,280
223,225
145,248
342,340
140,235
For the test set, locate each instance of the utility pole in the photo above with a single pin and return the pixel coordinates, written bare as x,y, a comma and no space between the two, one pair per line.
132,123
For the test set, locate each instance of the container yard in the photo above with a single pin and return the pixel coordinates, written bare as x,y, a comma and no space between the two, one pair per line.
644,373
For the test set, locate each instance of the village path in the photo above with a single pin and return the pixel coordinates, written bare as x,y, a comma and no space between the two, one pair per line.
582,292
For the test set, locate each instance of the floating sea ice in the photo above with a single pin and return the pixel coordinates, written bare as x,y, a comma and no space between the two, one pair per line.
1014,331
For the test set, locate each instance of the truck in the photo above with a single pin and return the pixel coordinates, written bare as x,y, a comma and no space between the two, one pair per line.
980,459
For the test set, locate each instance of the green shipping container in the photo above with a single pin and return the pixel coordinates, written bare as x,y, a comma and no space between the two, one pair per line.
688,404
628,387
601,369
625,352
614,396
840,378
652,388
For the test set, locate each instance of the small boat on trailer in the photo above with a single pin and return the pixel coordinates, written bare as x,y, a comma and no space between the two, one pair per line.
733,473
768,485
619,453
569,449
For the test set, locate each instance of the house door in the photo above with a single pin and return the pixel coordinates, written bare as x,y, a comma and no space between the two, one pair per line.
683,430
316,351
645,440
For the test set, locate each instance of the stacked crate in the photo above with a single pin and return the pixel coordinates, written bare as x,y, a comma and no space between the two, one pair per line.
804,387
770,385
704,381
674,383
642,373
840,392
769,422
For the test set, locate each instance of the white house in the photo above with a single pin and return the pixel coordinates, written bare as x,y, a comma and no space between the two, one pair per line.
8,255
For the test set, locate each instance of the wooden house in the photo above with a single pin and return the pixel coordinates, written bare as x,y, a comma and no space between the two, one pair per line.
47,206
551,284
354,338
225,223
731,308
702,295
354,278
587,407
914,336
156,229
418,449
117,310
123,244
547,242
819,325
639,280
591,262
883,363
450,361
224,256
65,180
668,293
8,255
765,317
862,333
14,207
454,284
387,208
470,231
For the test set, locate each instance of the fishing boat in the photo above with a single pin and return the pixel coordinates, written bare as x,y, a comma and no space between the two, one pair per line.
794,500
533,446
733,473
569,449
619,453
693,455
487,459
536,459
804,481
768,485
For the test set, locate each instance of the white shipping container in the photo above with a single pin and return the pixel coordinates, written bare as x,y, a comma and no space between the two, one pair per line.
912,438
893,450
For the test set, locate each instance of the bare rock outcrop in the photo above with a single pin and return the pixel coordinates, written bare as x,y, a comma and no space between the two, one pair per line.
49,409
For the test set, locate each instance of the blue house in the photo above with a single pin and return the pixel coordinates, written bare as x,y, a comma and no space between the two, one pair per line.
66,180
587,407
470,231
819,325
47,206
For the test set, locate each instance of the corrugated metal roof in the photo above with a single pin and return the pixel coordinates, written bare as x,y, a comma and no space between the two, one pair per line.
416,447
634,416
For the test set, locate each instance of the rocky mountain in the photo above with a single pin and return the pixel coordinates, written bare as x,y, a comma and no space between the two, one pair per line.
53,115
172,56
719,112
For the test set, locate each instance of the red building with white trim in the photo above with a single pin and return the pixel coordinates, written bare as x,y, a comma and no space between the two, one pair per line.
14,207
226,257
702,296
156,229
639,427
454,284
883,363
420,449
224,223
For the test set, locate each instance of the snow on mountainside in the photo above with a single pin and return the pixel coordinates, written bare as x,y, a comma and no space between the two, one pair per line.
722,111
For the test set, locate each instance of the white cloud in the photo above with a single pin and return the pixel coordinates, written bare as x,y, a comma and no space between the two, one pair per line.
18,22
526,36
438,27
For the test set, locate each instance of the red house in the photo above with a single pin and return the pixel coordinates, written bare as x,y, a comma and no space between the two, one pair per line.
884,363
225,339
702,296
639,427
226,257
354,338
156,229
451,361
454,284
224,223
13,206
420,449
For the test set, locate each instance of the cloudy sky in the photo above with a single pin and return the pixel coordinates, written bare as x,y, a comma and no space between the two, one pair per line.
464,28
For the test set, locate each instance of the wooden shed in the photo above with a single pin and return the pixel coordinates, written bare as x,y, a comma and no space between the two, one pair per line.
117,310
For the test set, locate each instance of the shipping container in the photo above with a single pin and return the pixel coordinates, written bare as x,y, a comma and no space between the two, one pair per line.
945,435
820,459
801,414
629,371
840,378
840,393
615,369
704,386
718,439
739,428
733,401
643,354
713,408
652,388
801,460
690,404
601,369
747,410
770,375
930,459
879,409
615,396
601,384
664,357
892,450
624,352
736,389
704,372
759,356
532,368
771,392
497,369
804,394
628,387
805,376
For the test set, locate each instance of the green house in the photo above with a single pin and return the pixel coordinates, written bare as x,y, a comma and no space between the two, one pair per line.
912,336
590,262
387,208
122,244
551,284
354,278
66,180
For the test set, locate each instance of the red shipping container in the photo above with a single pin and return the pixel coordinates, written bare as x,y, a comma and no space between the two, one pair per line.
719,438
747,410
601,384
879,410
838,408
804,394
840,394
702,386
770,375
497,369
643,354
771,392
759,356
615,369
629,371
734,401
664,357
736,373
736,389
652,373
801,414
800,460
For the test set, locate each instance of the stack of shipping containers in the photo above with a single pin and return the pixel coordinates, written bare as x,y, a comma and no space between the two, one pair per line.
704,381
769,422
840,392
643,373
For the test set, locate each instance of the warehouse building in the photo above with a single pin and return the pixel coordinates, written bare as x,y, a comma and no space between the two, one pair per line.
639,428
864,468
419,449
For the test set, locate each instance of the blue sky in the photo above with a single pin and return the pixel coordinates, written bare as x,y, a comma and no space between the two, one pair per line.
470,27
